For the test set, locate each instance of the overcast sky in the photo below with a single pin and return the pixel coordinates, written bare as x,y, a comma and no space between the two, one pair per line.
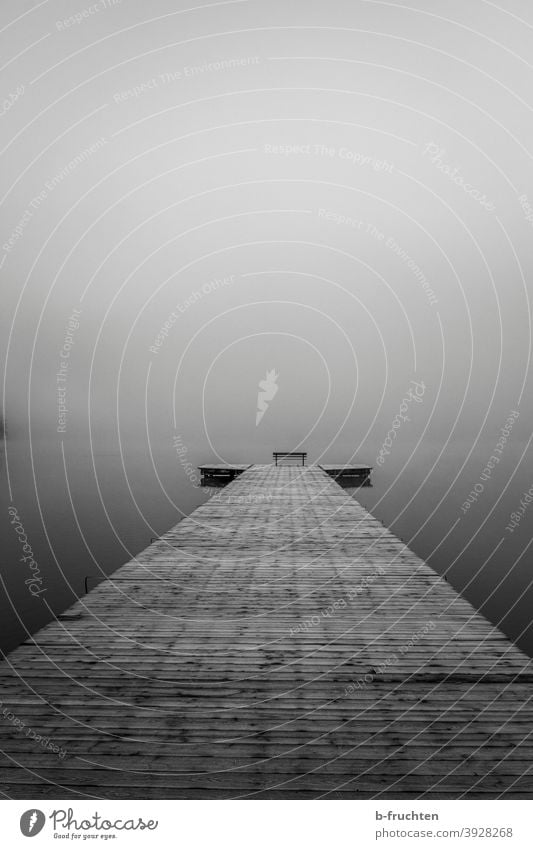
336,195
350,171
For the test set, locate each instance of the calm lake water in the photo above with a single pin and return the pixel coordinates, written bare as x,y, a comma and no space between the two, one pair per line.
85,516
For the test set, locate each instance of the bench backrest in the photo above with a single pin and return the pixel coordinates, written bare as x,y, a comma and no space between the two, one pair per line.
299,455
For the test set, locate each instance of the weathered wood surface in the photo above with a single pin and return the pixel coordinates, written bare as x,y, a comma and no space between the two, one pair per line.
223,662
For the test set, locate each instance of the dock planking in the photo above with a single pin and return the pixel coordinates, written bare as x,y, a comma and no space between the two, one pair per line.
277,643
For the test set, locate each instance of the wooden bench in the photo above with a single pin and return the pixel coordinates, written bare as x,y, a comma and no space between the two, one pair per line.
301,455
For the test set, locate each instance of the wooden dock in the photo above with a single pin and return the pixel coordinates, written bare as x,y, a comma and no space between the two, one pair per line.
278,643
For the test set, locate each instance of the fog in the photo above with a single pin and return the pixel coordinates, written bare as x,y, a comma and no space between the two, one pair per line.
195,196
